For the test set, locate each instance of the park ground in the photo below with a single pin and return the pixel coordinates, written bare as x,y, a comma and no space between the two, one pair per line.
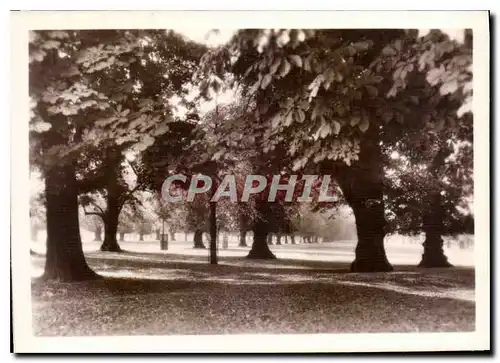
146,291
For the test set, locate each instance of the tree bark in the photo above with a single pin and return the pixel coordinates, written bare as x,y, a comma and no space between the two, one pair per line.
362,186
243,239
65,260
113,209
260,248
433,218
97,234
198,239
213,231
433,255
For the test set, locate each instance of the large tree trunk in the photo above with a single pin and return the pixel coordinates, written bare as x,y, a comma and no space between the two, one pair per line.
97,234
110,243
362,186
260,248
243,238
198,239
65,260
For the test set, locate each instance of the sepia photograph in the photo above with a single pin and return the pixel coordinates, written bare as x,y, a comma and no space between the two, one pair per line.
250,182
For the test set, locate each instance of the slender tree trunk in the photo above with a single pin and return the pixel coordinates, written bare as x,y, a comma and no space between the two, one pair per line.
362,185
433,255
97,234
198,239
65,260
213,232
185,236
433,218
172,236
122,236
243,238
158,234
285,239
110,243
260,248
278,239
292,239
141,237
269,238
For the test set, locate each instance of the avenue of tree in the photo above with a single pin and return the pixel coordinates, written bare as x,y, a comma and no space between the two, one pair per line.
385,113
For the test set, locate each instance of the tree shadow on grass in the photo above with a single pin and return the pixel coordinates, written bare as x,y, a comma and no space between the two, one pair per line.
124,270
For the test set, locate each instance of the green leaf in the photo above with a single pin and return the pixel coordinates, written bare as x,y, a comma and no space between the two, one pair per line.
304,105
295,60
307,63
289,102
361,46
336,127
288,118
254,88
388,51
247,72
266,80
398,44
301,115
324,129
448,87
365,123
274,66
433,75
355,120
285,68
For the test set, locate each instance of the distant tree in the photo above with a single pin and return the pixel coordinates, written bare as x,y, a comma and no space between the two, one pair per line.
37,214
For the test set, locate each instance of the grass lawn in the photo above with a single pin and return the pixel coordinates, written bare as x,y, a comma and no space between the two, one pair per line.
161,294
